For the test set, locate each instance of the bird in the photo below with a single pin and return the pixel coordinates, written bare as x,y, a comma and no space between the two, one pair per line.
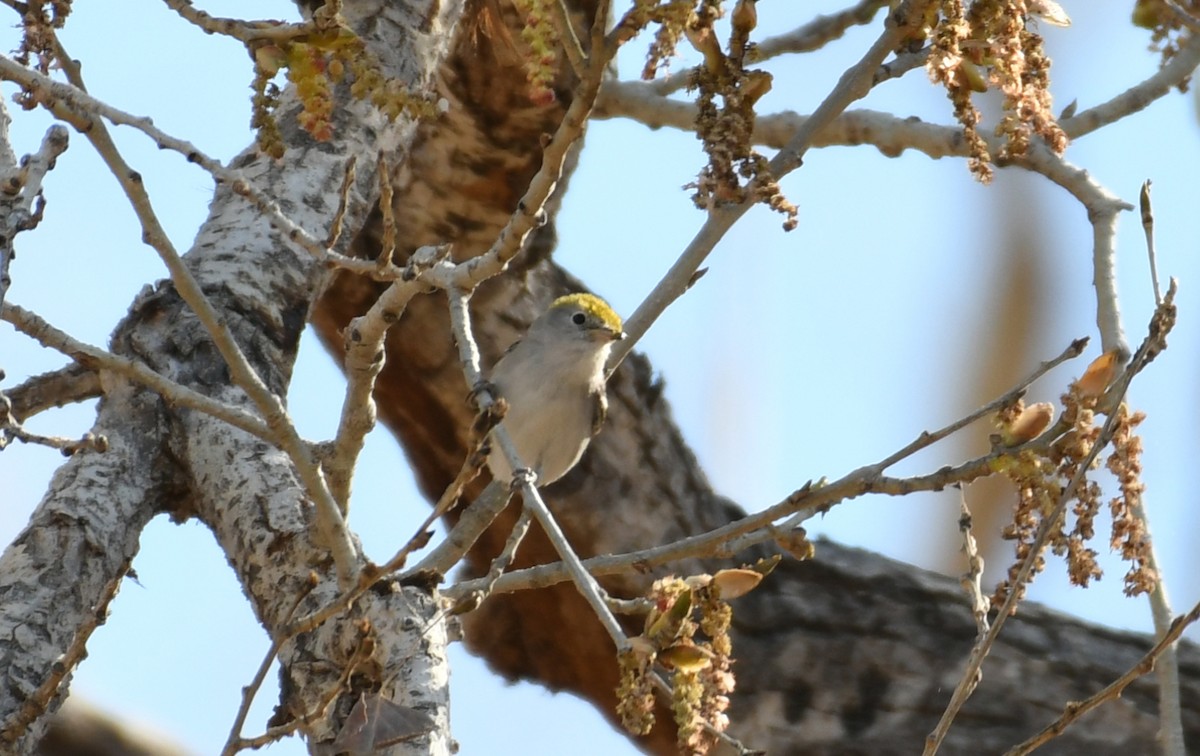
553,381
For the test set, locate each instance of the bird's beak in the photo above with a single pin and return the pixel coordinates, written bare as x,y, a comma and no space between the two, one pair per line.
604,333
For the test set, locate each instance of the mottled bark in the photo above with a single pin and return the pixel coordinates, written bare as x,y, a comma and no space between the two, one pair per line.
57,578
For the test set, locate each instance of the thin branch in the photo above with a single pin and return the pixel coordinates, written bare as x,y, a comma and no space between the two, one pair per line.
502,562
58,388
387,192
363,362
318,712
523,480
1073,350
471,524
1139,96
21,199
893,135
854,84
68,446
819,32
1170,714
809,37
800,505
234,742
570,41
1148,227
1103,212
339,216
587,585
971,579
728,540
1111,692
94,359
251,690
1154,343
330,525
249,31
479,516
529,212
367,577
78,107
900,65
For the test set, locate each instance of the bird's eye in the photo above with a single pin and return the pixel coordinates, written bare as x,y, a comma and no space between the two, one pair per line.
579,318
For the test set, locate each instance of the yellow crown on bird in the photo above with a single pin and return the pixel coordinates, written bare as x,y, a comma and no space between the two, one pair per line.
592,305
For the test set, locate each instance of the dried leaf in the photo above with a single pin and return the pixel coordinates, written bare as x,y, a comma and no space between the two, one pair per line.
376,722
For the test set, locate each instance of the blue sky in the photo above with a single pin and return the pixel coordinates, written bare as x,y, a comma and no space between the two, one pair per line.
801,354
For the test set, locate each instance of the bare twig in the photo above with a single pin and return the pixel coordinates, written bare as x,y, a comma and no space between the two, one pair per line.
1170,714
1153,344
330,525
1140,95
801,504
1073,350
523,480
78,107
95,359
363,362
893,135
339,217
318,712
249,31
1076,709
854,84
1148,226
570,41
251,690
819,32
68,446
387,240
1103,211
529,212
495,496
21,200
505,558
900,65
58,388
971,579
584,581
809,37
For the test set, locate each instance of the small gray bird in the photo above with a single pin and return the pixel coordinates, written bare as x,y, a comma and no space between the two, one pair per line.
553,382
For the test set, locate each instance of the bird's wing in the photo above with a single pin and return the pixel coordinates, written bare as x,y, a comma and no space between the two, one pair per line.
599,410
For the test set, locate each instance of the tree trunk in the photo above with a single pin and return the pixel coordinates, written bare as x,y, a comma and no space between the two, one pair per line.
57,578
